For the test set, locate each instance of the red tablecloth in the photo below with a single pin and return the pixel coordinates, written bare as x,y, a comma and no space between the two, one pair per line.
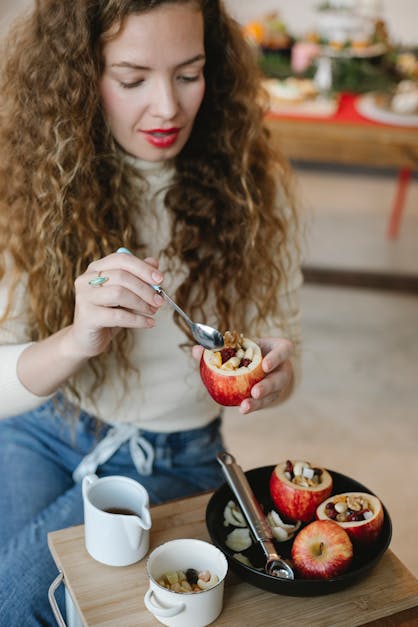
346,113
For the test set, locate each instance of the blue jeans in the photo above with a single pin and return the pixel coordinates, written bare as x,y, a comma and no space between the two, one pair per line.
38,453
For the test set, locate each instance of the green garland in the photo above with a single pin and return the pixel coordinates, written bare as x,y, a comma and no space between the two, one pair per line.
355,75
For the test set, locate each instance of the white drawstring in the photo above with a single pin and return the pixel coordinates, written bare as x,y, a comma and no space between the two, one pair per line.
141,450
142,454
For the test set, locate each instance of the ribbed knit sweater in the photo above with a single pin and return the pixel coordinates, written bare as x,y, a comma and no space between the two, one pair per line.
167,395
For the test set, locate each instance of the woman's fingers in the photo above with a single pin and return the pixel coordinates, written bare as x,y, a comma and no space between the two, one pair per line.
111,317
146,272
120,289
268,391
276,351
197,351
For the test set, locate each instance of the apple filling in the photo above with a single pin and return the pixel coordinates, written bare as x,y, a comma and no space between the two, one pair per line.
235,353
349,508
303,474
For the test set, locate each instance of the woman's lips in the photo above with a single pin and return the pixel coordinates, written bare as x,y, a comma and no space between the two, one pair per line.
162,137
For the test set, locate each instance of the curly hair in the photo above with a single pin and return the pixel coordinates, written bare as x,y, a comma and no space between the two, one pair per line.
66,193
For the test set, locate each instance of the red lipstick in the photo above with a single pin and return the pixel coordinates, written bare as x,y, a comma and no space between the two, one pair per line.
162,137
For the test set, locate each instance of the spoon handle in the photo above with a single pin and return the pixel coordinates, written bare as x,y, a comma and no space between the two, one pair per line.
254,516
171,302
250,506
162,293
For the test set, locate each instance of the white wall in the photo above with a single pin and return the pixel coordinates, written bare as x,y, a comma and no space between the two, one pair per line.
401,15
9,9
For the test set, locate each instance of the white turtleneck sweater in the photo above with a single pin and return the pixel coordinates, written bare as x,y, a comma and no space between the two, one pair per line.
167,395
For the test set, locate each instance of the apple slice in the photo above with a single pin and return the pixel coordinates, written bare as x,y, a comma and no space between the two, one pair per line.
297,488
322,550
230,373
359,513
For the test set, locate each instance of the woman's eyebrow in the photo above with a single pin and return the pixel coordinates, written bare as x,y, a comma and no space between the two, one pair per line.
128,64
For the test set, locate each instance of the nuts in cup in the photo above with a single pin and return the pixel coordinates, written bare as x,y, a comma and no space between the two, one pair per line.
188,581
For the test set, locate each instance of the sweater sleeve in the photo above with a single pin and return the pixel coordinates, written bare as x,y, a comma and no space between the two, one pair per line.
14,338
15,398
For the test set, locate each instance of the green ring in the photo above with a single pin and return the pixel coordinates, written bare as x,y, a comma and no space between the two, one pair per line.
98,281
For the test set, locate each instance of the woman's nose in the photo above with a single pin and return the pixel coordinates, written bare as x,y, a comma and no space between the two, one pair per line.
165,102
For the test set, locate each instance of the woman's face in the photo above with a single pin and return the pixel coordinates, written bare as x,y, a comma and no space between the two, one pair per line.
152,84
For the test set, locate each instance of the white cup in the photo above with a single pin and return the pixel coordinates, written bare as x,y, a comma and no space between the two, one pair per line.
185,609
119,537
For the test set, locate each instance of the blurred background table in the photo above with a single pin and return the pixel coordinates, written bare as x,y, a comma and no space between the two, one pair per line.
346,138
105,595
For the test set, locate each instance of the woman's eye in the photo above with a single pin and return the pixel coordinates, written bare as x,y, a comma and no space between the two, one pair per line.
127,85
189,79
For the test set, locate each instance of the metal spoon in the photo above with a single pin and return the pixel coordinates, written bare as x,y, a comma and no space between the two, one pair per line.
254,516
207,336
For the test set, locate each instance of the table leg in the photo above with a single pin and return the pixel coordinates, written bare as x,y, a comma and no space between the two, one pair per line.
403,181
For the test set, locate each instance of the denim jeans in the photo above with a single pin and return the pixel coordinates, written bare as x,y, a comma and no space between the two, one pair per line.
39,451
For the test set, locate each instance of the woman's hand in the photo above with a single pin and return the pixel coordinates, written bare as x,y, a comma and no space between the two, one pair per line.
124,300
278,382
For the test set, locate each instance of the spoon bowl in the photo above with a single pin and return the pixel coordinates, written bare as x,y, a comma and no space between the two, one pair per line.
206,336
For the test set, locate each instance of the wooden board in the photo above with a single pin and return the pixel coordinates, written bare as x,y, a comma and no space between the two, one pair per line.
113,597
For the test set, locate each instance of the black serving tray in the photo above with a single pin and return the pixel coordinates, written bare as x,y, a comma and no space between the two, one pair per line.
258,479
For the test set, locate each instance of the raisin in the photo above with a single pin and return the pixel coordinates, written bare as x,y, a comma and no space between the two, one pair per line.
355,517
227,353
330,511
289,467
244,362
192,576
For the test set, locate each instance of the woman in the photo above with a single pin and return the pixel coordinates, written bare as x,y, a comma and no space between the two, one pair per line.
134,123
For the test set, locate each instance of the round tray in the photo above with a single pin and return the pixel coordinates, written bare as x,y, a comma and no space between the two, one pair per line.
259,478
369,108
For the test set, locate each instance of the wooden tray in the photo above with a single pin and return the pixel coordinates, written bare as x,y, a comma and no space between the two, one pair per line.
108,596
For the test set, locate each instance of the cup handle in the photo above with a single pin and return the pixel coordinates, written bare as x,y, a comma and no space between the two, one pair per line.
164,612
88,480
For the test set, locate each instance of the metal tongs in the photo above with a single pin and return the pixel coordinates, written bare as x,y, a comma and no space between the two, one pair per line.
254,516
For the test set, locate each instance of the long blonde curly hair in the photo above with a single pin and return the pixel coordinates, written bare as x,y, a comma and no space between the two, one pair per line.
66,193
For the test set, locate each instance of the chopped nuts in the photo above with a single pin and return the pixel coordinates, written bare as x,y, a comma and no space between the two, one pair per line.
234,354
191,581
349,508
303,474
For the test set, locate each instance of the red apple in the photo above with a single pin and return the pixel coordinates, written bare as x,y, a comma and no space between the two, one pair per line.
322,550
297,488
230,373
358,513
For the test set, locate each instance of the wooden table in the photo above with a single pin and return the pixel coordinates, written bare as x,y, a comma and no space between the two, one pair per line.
113,597
371,145
346,139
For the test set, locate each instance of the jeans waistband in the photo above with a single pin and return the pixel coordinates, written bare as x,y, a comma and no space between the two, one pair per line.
141,447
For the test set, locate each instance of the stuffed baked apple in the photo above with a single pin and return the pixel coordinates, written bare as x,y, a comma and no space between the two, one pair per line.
297,488
359,513
230,373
